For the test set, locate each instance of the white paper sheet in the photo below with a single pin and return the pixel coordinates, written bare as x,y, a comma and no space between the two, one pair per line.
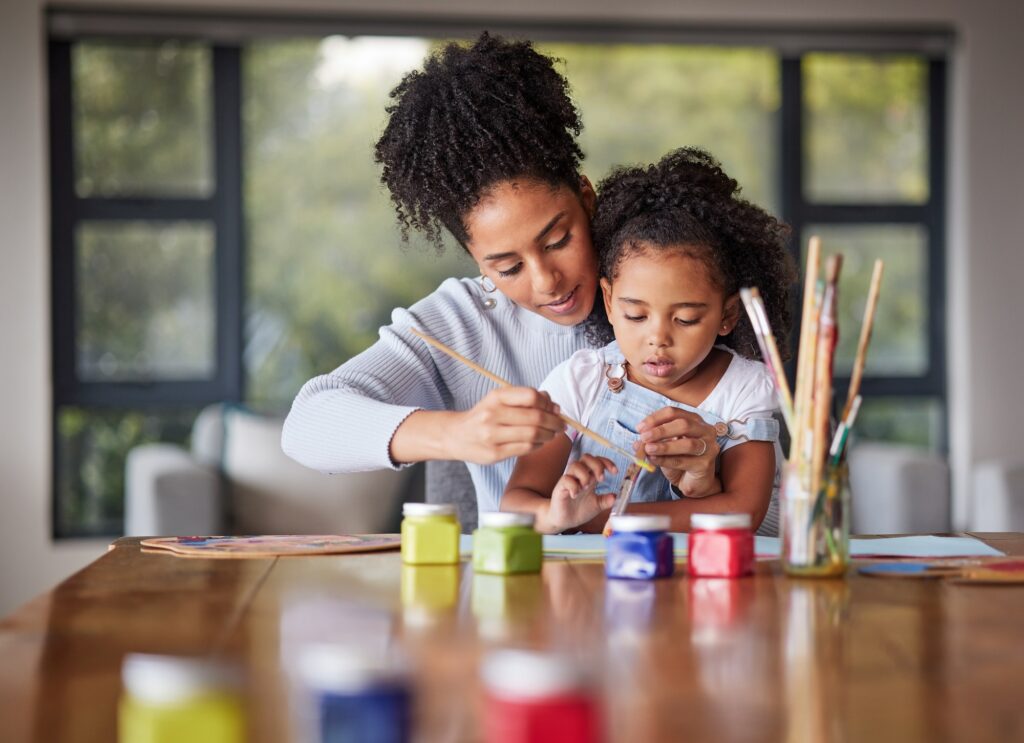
592,545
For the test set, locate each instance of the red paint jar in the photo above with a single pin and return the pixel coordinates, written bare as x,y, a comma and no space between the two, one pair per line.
533,697
721,545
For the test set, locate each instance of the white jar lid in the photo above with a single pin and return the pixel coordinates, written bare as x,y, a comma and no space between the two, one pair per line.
527,674
716,521
498,519
344,669
428,509
164,679
646,522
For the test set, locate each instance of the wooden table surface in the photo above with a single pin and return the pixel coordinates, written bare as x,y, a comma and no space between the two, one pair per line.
766,658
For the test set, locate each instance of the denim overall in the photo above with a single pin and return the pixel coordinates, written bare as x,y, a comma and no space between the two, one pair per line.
617,414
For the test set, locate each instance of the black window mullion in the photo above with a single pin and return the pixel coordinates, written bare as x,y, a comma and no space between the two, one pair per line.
936,223
144,209
813,213
62,209
227,134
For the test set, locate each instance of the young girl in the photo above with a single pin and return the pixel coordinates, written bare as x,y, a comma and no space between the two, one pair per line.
675,245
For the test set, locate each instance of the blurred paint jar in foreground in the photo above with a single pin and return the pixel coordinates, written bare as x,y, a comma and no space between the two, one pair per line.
639,547
721,545
355,697
506,543
533,697
170,699
430,534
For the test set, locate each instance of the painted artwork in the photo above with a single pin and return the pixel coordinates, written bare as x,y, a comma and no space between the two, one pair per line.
273,545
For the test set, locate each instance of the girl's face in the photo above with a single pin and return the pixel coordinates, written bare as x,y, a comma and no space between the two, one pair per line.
533,242
667,314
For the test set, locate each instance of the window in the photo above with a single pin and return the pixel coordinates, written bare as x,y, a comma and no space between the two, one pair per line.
219,233
864,134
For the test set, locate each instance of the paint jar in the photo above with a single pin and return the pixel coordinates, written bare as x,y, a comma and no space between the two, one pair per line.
171,699
430,534
721,545
815,521
533,697
353,696
639,547
507,543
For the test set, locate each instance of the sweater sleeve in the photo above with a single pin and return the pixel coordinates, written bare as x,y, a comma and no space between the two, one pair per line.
344,421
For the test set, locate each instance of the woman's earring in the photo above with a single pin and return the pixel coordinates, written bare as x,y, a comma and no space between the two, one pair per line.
489,303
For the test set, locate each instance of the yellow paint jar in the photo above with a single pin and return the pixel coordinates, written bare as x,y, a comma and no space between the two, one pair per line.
430,534
169,699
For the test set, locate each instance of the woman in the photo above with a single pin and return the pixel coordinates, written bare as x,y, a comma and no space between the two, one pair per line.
481,143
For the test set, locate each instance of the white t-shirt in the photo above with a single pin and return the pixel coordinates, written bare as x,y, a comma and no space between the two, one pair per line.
745,390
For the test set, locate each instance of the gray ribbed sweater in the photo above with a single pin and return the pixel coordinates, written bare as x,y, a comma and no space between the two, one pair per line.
343,421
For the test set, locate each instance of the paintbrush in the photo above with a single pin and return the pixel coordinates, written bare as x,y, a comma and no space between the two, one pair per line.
503,383
808,335
865,336
622,499
769,350
827,336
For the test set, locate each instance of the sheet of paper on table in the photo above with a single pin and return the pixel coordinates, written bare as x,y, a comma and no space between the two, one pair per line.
593,545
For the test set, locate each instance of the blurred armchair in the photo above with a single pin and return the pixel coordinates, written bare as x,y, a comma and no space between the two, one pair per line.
235,479
998,496
896,489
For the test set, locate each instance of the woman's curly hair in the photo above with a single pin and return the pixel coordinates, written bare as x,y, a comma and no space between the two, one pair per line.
687,201
474,116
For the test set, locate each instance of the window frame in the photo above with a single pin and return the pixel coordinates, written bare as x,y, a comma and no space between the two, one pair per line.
224,209
799,212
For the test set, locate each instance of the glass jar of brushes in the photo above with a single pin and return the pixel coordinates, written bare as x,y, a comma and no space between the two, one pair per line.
815,520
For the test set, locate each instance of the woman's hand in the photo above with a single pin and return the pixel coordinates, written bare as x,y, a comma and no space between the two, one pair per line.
684,447
507,422
574,499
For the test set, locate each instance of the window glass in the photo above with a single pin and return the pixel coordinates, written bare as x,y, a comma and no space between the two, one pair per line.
91,448
640,101
899,340
145,301
142,119
865,123
904,420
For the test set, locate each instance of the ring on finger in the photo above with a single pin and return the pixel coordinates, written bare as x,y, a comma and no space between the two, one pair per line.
704,448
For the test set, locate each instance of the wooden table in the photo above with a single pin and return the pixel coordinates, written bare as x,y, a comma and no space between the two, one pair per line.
765,658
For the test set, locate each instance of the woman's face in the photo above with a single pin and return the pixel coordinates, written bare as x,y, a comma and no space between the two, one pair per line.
533,241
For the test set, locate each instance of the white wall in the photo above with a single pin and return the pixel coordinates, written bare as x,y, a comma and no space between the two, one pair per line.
985,255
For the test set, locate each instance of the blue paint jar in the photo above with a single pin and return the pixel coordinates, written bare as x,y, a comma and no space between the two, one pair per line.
355,697
639,547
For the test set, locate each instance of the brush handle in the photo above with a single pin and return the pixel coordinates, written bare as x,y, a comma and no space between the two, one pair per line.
504,383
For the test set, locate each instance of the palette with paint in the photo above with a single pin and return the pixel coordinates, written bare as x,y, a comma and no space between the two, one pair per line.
272,545
959,571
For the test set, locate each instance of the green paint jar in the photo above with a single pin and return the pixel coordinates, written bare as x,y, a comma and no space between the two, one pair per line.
507,543
430,534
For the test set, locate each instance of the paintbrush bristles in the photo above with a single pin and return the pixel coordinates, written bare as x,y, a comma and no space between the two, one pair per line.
504,383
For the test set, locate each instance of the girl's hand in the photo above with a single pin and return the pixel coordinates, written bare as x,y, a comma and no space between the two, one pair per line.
573,499
684,447
507,422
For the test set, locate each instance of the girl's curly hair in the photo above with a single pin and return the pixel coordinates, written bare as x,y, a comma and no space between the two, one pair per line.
474,116
687,201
